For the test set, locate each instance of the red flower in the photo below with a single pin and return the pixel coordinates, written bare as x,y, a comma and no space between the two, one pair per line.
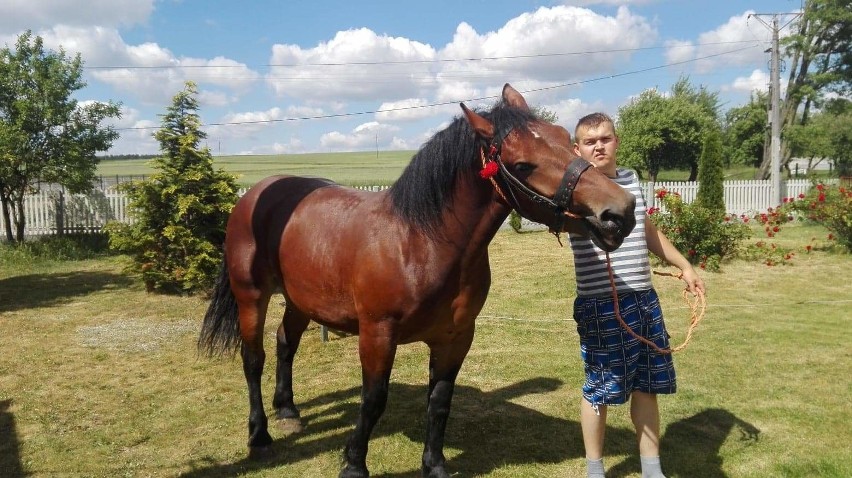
820,187
661,193
831,237
821,197
691,252
801,195
653,210
775,229
488,170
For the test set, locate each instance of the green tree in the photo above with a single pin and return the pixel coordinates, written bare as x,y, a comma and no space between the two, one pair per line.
45,134
545,114
820,62
711,188
747,131
658,132
180,212
827,136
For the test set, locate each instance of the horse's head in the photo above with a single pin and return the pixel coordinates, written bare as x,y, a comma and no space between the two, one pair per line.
535,172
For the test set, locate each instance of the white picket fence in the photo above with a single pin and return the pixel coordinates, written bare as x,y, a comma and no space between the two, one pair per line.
88,213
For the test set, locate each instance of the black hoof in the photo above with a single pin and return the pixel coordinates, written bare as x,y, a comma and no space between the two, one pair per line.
261,439
259,452
352,472
436,472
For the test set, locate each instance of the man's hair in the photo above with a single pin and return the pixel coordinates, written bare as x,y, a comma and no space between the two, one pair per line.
592,120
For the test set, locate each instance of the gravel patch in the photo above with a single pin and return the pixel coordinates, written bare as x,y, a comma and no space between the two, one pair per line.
133,335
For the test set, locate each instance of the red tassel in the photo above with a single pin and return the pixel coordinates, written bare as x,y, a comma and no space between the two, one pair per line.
488,170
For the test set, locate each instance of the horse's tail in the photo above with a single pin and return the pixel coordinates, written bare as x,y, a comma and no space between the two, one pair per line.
220,331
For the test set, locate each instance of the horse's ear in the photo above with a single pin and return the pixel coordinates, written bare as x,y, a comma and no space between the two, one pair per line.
513,98
482,126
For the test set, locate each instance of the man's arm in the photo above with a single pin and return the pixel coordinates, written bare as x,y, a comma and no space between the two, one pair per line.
663,248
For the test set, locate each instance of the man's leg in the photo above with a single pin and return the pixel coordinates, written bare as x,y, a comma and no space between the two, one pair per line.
593,424
645,413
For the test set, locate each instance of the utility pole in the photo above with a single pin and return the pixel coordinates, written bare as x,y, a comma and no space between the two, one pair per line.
774,104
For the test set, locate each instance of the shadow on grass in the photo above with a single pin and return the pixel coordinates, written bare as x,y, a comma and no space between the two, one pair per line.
691,446
10,457
486,428
44,290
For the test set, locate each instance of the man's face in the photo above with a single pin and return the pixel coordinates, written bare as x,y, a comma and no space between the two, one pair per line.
598,145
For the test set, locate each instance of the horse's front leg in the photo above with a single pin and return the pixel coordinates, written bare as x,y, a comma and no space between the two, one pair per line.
377,348
287,343
445,361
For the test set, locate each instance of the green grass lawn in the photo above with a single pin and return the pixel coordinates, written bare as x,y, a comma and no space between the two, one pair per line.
100,379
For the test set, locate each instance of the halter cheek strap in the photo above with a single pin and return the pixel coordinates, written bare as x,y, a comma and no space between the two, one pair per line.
561,201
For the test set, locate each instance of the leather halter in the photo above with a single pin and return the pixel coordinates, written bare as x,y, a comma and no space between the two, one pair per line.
561,201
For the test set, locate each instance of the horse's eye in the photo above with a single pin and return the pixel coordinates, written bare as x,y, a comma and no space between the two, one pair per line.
524,167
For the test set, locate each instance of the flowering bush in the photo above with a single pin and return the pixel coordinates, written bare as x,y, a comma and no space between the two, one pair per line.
769,253
704,236
827,205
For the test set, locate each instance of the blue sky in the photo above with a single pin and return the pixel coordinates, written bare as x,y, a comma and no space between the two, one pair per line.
333,75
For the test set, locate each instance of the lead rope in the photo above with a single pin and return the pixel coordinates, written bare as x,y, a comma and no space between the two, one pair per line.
695,315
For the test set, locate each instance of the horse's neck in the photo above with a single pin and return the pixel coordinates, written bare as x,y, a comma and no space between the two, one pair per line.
474,218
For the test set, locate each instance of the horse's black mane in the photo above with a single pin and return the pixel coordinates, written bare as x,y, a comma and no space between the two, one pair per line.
426,185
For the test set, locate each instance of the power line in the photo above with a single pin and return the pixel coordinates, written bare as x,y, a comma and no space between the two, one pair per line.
408,62
445,103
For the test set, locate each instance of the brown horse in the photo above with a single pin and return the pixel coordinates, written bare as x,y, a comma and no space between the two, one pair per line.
402,265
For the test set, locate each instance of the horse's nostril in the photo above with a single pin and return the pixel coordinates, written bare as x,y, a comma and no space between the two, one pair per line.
608,216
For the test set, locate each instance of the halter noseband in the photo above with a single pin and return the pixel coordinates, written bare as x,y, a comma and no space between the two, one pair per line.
561,201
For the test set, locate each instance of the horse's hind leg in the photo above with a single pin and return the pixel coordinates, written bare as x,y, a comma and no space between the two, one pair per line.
287,342
252,307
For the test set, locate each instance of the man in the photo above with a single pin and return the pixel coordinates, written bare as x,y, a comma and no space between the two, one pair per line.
618,367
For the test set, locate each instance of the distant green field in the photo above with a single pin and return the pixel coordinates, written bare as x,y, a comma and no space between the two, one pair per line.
352,168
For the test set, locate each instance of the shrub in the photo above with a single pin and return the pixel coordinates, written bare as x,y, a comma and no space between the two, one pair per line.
827,205
180,211
68,247
515,221
704,236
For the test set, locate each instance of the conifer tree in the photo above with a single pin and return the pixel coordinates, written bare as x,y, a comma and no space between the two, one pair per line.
180,212
711,192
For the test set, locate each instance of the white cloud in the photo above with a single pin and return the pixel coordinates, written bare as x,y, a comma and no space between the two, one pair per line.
758,81
364,135
411,109
741,32
135,134
360,64
542,44
354,64
586,3
39,14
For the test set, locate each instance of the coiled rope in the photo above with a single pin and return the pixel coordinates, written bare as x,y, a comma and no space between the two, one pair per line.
697,308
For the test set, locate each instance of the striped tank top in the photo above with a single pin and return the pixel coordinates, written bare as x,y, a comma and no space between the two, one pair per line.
630,265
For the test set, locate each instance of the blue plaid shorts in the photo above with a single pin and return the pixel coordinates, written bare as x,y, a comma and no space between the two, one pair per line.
615,362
